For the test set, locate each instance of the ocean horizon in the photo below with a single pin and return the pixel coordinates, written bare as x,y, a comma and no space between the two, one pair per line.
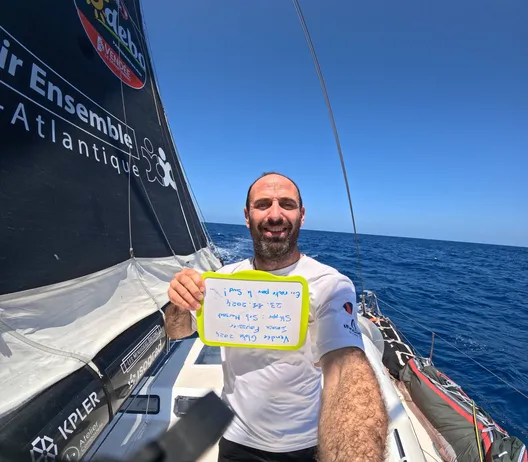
473,296
385,235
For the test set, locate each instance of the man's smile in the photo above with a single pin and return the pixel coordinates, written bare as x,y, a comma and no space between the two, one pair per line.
275,231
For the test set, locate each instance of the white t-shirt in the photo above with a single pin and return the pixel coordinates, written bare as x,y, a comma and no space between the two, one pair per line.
276,394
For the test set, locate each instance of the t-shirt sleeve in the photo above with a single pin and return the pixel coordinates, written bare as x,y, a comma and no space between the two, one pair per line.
336,323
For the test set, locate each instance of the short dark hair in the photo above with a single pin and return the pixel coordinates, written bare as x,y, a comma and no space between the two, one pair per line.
273,173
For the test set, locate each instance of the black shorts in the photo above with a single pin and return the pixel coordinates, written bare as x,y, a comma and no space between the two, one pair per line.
234,452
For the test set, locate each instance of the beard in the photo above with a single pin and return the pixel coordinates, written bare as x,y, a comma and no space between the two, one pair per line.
274,248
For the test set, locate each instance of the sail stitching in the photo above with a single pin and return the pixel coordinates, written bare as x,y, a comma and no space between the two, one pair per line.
54,351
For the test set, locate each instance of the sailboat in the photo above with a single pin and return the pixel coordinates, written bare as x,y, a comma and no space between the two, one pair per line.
97,216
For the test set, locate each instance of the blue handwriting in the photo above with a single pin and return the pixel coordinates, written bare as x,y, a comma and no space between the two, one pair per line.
255,329
229,315
230,303
284,329
280,292
286,318
284,338
222,335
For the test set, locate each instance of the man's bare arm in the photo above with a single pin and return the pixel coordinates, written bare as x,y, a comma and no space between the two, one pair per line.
178,322
185,292
353,421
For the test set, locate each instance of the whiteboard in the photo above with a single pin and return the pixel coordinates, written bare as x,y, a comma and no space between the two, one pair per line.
254,309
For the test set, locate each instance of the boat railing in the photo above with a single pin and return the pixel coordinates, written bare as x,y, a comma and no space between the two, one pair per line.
369,302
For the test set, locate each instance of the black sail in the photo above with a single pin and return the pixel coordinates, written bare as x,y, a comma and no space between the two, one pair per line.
96,218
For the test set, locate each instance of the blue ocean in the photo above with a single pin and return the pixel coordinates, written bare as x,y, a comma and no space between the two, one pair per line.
473,296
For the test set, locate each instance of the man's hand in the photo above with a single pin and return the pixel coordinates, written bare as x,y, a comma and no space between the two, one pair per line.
185,292
353,421
186,289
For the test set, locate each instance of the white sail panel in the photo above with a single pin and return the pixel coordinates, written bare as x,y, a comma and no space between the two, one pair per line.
50,332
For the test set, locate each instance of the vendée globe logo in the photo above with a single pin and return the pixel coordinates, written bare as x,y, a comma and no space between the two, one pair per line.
114,36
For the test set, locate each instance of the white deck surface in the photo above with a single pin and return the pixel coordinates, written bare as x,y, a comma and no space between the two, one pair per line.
181,376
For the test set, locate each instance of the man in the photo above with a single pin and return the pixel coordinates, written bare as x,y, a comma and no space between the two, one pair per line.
276,395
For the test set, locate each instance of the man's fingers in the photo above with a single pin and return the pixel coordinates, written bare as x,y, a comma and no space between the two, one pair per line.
186,289
183,292
175,298
192,285
196,278
179,295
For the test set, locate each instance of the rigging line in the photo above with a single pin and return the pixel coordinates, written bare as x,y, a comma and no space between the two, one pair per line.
201,217
147,52
494,409
184,182
334,128
154,81
409,342
131,248
130,166
456,348
156,216
477,435
144,188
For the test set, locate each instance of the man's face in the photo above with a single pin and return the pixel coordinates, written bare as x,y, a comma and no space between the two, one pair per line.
274,217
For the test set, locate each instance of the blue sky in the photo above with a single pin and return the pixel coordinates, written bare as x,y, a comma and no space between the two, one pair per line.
430,100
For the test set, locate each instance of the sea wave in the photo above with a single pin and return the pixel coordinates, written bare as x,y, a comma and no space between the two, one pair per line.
472,296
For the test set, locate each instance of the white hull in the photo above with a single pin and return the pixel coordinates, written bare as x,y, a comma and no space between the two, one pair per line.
182,376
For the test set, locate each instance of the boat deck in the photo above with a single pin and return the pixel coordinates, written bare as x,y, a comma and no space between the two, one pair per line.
195,369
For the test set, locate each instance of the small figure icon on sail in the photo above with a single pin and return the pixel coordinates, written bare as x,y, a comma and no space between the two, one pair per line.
168,177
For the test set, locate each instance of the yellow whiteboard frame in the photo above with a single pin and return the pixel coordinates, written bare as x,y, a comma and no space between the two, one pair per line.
256,275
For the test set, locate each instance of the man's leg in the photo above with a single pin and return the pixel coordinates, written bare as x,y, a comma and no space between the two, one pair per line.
234,452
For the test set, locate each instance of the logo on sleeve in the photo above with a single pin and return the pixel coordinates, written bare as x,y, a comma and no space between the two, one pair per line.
349,308
352,328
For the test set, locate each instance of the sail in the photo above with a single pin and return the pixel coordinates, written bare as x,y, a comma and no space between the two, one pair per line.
96,218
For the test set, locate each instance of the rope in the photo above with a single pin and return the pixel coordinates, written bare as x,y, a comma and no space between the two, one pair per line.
169,139
456,348
147,53
130,166
495,410
334,128
468,385
130,158
338,144
475,421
